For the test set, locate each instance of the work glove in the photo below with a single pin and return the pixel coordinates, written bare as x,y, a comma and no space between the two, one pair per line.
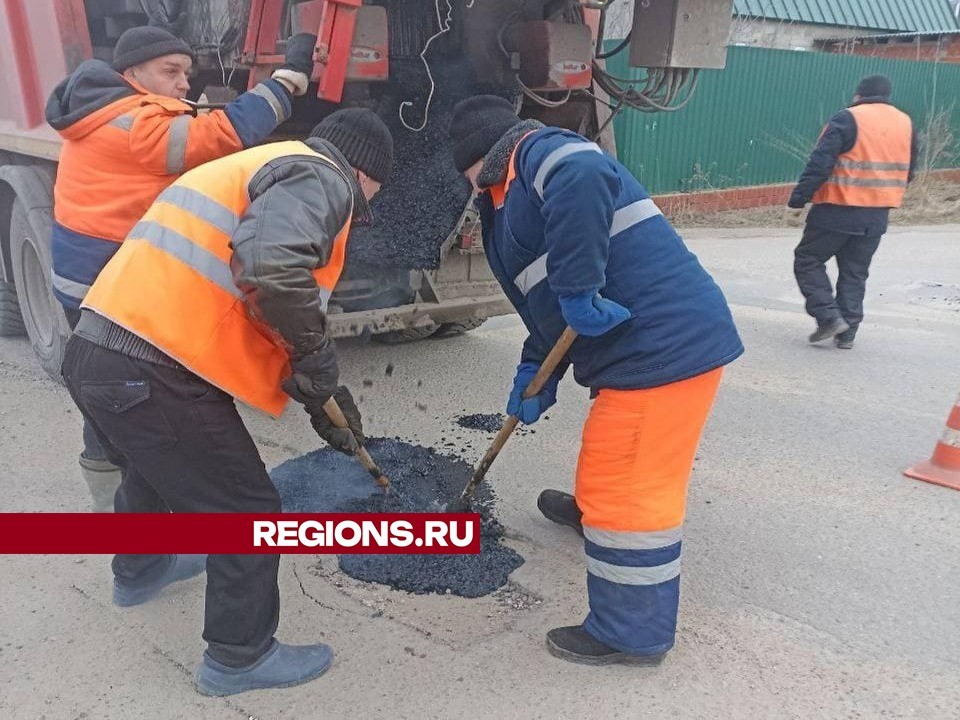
796,202
529,411
346,440
592,315
315,377
297,66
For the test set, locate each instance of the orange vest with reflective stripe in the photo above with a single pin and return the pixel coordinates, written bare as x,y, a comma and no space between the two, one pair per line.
171,284
874,173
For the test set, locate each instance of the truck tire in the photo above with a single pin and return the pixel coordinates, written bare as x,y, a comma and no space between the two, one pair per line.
398,337
42,314
11,324
454,329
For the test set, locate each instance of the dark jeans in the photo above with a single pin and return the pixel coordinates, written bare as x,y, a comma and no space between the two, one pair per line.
853,254
92,449
182,445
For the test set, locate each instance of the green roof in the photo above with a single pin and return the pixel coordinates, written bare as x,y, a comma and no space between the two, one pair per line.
926,16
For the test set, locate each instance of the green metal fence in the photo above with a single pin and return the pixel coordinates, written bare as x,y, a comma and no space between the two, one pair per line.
754,122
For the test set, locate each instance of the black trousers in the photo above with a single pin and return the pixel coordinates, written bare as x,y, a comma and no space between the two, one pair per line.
181,444
92,449
853,254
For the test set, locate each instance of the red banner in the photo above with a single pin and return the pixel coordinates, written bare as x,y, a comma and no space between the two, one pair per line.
236,533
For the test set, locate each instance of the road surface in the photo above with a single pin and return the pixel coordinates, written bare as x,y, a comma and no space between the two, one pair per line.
818,581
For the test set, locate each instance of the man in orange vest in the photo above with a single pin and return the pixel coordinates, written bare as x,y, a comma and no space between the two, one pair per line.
858,171
220,292
127,135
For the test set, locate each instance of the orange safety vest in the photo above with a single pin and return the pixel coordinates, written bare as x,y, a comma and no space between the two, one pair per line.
874,172
171,284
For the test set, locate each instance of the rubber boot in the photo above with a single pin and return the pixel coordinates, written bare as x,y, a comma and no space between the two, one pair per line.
127,594
280,666
561,508
575,644
103,479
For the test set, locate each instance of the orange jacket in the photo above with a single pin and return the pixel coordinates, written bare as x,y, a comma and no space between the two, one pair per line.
875,171
122,147
230,270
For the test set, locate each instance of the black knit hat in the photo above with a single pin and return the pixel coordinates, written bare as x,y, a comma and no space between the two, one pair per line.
362,137
477,124
140,44
875,86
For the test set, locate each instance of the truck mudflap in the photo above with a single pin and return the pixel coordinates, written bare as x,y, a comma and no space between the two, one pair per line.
414,315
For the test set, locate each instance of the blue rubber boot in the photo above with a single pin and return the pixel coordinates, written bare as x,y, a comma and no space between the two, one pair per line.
182,567
279,667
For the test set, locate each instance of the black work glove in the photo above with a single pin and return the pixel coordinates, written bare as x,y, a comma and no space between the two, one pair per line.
299,54
315,377
346,440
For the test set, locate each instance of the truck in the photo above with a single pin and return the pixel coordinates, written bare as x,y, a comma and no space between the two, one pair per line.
421,271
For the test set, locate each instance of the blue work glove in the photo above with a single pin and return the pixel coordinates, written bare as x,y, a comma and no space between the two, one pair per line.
592,315
529,411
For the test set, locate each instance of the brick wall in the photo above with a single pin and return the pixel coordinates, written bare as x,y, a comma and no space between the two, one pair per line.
743,198
946,49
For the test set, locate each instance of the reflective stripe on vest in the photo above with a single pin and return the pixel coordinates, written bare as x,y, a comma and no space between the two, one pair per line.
171,282
633,545
874,172
623,219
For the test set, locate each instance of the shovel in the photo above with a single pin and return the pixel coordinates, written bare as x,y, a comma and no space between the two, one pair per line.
462,503
333,411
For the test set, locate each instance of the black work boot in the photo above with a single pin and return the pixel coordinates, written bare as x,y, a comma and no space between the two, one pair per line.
577,645
561,508
828,329
844,340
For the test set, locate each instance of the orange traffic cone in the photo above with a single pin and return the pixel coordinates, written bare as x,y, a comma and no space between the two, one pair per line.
943,468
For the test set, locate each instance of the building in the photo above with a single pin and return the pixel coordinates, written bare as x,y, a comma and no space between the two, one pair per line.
805,24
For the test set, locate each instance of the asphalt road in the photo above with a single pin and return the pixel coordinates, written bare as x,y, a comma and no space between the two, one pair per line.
818,581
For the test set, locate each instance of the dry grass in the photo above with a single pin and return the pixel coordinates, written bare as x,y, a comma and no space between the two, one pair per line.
929,201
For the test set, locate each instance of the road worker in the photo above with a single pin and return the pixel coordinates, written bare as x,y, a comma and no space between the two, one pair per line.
860,168
127,135
576,241
220,292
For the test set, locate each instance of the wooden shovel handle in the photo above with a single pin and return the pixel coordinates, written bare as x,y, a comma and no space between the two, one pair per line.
550,363
335,413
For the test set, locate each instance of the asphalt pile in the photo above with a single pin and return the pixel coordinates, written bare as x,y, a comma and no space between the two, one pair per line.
422,481
420,205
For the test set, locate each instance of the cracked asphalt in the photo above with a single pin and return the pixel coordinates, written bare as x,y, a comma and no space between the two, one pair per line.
818,581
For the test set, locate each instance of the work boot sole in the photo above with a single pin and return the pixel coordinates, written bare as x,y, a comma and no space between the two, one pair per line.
559,519
611,659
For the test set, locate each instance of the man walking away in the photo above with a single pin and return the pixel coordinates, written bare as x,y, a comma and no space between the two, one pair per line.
858,171
220,292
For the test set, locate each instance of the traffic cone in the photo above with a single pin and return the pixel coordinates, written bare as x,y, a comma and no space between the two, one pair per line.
943,468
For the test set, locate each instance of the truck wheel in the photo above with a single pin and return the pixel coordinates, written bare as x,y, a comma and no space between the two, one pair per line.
11,324
43,315
453,329
398,337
